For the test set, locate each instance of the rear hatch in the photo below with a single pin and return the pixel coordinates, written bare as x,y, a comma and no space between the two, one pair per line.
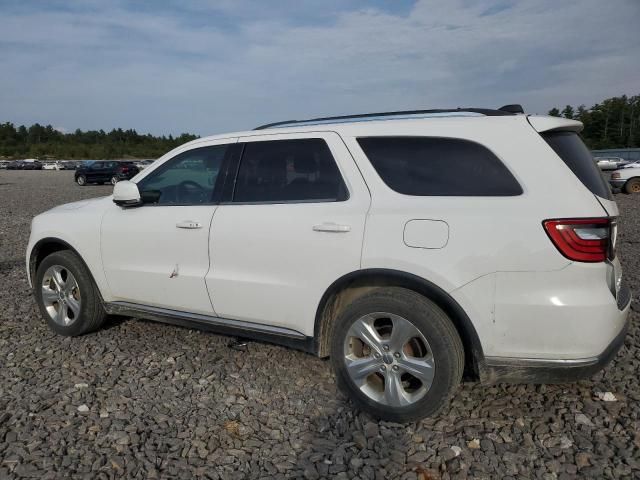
562,135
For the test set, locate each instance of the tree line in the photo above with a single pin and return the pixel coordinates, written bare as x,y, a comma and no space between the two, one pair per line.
613,123
38,141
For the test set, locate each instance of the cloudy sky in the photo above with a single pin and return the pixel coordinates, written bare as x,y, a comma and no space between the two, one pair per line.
214,66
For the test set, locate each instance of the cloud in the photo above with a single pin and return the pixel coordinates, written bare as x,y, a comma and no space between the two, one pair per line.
210,67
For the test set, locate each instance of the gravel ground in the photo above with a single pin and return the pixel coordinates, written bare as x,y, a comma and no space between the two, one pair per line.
147,400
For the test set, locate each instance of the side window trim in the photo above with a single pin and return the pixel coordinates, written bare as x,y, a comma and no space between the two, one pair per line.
229,193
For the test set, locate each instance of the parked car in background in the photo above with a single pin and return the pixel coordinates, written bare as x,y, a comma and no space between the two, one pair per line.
31,164
635,164
410,247
143,164
610,163
70,165
104,171
14,165
52,166
3,164
626,179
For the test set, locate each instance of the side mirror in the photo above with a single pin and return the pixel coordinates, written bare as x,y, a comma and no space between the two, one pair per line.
126,194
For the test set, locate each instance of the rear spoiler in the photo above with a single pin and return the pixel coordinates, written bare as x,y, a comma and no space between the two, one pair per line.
547,124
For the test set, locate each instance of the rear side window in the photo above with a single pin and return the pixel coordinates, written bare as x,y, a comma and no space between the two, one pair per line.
288,171
572,150
432,166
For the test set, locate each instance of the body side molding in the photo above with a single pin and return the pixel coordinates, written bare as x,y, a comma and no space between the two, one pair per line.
254,331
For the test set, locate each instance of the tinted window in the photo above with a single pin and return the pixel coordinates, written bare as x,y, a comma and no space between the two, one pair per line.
288,171
189,178
575,154
429,166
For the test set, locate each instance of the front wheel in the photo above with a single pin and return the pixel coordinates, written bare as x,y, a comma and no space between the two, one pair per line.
632,186
396,354
81,180
67,296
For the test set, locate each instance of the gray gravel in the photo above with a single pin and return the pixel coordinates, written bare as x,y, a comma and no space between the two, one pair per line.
145,400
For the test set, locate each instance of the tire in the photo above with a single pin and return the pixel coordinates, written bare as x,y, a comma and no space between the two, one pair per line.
632,185
407,311
90,312
81,180
114,180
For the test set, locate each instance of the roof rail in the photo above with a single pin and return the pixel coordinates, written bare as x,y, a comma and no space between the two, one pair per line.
506,110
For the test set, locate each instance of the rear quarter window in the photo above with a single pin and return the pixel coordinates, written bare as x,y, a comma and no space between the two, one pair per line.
575,154
433,166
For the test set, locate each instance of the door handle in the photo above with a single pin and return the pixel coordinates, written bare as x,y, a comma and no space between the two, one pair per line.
189,224
331,227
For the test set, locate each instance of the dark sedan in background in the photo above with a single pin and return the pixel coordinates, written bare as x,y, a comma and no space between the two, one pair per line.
24,165
100,171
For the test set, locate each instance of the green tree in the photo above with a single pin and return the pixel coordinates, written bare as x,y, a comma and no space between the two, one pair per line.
567,112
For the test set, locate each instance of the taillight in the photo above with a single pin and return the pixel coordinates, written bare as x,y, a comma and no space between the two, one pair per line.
583,239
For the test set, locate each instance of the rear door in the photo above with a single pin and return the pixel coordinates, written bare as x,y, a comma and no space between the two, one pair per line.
293,224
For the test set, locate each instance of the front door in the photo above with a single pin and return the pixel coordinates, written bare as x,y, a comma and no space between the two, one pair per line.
294,225
158,254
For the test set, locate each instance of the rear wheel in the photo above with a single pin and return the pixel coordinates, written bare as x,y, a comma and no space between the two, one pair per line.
81,180
396,354
632,186
67,296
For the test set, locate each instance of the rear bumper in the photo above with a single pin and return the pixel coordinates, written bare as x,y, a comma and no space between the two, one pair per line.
523,370
617,183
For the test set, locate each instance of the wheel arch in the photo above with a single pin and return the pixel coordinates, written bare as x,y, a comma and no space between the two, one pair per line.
354,284
45,247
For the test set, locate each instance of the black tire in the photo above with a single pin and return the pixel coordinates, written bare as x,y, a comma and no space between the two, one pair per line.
632,185
92,314
444,342
81,180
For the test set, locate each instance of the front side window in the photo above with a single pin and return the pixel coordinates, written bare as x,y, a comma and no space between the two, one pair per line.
288,171
435,166
189,178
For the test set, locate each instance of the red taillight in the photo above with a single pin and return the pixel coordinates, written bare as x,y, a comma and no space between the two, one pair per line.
583,239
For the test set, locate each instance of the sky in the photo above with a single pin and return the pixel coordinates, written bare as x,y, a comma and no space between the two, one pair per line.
209,67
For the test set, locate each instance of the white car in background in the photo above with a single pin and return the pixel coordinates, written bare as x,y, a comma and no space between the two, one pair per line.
627,179
410,247
609,163
52,166
635,164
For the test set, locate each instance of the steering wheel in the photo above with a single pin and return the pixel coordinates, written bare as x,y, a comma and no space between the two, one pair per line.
191,191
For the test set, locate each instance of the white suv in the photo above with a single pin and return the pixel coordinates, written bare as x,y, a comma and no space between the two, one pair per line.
413,248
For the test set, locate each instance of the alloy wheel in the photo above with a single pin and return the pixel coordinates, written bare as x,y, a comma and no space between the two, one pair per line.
61,295
389,359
